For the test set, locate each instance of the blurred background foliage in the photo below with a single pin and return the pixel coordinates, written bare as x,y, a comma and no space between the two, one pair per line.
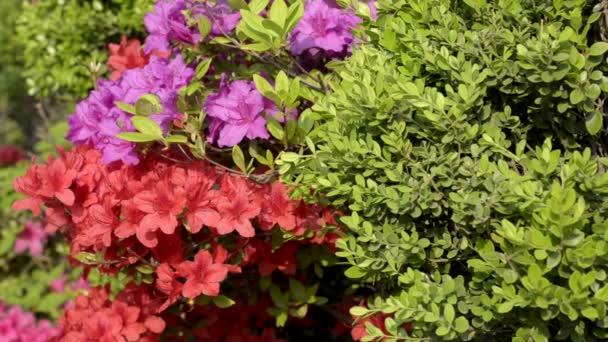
51,53
50,58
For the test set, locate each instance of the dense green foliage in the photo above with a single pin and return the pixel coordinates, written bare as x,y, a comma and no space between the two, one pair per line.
65,41
14,102
465,143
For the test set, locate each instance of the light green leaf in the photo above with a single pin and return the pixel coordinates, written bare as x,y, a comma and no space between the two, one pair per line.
239,158
222,301
598,49
204,26
127,108
147,126
354,272
136,137
595,123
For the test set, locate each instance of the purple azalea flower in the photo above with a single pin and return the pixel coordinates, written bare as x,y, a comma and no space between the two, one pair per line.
167,23
162,79
325,27
98,120
32,239
236,112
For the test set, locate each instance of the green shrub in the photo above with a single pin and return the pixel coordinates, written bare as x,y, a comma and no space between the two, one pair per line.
61,38
465,142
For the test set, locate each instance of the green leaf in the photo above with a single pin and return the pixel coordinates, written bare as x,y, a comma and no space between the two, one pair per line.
602,294
461,324
204,26
145,269
358,311
274,127
236,5
148,104
258,47
265,88
595,123
298,290
239,158
449,313
136,137
178,139
590,312
598,49
222,301
147,126
577,96
203,67
354,272
442,331
295,13
282,84
290,157
477,5
256,6
278,13
127,108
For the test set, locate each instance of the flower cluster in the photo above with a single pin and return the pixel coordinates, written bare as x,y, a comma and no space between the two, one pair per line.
31,239
10,154
154,210
17,325
127,317
169,23
98,119
325,28
183,236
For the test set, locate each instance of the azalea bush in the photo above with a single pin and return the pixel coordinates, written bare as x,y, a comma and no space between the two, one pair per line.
170,200
465,146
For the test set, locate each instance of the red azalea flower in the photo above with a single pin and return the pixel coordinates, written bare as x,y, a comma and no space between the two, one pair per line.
56,180
128,55
29,185
202,275
168,284
129,315
278,209
162,205
236,208
102,223
200,199
220,255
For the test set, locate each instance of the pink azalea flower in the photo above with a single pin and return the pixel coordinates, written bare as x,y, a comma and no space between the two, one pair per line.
32,239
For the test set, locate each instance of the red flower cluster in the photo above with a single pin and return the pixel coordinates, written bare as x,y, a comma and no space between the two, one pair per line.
128,55
127,318
192,223
10,154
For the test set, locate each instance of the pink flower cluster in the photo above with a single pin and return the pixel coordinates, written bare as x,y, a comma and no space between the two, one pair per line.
17,325
32,239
